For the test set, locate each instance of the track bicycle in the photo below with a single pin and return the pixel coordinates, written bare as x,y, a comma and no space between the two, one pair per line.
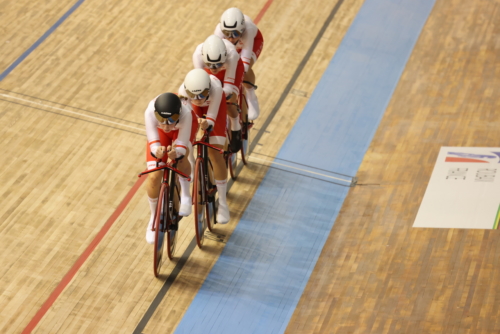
204,189
167,212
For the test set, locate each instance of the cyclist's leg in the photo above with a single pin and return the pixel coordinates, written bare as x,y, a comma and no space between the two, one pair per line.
232,110
249,80
153,183
186,166
235,133
218,138
220,174
253,102
186,201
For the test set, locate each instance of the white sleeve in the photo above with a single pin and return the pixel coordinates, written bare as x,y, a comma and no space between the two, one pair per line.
218,31
197,57
232,63
248,38
184,128
152,127
182,92
215,100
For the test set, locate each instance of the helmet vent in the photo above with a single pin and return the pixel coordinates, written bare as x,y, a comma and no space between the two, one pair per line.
214,60
230,27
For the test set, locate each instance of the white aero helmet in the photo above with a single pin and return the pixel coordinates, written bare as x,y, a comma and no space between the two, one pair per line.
232,23
197,84
214,52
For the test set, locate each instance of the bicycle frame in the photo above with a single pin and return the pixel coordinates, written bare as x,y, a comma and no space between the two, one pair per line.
169,178
202,152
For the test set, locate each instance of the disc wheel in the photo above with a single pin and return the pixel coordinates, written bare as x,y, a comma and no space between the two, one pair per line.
160,228
201,214
173,225
212,210
211,200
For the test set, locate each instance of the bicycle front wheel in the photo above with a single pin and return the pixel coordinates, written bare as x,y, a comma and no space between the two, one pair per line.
160,226
200,202
173,221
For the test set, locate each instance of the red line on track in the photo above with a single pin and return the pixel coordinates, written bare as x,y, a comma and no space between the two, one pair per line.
263,11
81,260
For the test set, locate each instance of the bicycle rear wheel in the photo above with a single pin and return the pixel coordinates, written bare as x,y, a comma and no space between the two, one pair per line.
201,214
173,225
160,228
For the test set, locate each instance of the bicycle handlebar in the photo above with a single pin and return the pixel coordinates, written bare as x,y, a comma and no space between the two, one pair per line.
167,166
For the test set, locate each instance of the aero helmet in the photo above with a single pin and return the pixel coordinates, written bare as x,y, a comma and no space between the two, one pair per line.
167,108
214,52
197,84
232,23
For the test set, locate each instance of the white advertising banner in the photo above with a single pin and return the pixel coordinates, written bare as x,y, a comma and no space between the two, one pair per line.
464,190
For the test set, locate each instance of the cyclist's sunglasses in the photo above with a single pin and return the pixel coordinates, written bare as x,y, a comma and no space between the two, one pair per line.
214,66
232,33
168,120
201,96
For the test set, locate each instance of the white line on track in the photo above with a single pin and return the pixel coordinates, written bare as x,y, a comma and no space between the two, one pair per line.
71,112
142,130
301,169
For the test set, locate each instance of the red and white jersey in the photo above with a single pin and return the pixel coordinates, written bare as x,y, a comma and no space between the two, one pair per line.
245,44
229,66
183,126
212,102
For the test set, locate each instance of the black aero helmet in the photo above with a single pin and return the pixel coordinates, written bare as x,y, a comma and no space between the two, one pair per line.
167,108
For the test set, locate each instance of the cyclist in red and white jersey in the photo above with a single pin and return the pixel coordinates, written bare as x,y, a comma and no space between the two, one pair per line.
242,32
171,130
208,100
219,57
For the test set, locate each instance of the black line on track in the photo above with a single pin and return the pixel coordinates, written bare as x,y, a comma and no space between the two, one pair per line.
295,76
80,119
171,278
66,105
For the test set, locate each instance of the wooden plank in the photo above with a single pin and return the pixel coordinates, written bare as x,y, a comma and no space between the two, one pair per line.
377,274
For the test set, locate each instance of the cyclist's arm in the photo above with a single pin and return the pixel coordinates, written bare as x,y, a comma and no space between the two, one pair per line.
184,126
152,127
247,39
183,95
231,64
218,31
215,100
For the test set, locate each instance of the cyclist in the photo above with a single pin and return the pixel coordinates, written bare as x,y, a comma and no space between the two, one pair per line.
207,97
219,57
170,129
240,30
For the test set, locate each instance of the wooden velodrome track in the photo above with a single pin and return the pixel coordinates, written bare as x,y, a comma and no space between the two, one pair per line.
73,215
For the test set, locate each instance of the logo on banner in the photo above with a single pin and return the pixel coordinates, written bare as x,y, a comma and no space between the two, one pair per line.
490,157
